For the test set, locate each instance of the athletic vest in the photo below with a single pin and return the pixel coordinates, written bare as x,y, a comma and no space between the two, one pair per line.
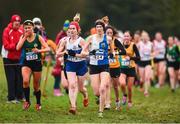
27,49
172,54
114,62
76,48
161,48
126,63
145,50
101,55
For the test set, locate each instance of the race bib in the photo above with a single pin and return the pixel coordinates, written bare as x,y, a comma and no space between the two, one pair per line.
31,56
74,59
99,57
147,54
112,60
125,62
170,58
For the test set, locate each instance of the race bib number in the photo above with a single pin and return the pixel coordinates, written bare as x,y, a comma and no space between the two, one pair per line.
99,57
170,58
125,62
31,56
74,59
112,61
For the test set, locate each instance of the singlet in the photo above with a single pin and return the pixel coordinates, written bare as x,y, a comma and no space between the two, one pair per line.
28,55
161,48
172,54
114,62
127,63
145,50
101,55
76,48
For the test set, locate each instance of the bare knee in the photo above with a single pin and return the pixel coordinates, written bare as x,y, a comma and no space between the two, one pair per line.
25,83
102,89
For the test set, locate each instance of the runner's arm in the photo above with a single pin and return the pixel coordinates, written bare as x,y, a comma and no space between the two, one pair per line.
60,51
120,46
45,47
137,57
21,42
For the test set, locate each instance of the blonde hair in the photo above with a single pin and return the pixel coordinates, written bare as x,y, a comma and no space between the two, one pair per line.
145,35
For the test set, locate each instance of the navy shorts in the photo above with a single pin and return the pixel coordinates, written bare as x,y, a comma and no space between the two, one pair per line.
79,67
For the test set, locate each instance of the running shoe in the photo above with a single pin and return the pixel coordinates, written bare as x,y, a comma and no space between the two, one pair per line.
38,107
85,102
146,94
117,105
100,114
26,105
13,101
57,92
129,104
124,99
72,110
107,107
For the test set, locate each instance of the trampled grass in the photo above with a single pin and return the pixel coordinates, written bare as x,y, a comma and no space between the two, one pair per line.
162,106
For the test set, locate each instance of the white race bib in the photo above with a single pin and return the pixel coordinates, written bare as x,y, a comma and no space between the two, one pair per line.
125,62
31,56
112,61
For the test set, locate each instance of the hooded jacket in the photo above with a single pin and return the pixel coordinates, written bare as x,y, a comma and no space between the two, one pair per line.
10,39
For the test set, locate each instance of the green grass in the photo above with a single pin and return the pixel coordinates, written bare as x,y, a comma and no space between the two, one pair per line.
162,106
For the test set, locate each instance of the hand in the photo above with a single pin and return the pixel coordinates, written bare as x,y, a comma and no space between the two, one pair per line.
35,50
93,52
27,34
111,56
71,53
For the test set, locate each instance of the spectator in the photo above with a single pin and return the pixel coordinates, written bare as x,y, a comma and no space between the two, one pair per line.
11,57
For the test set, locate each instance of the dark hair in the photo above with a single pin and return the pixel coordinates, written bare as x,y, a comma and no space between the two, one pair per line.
127,31
100,22
112,28
28,22
138,32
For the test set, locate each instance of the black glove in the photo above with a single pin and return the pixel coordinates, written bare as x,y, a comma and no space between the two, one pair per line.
93,52
79,46
111,56
71,53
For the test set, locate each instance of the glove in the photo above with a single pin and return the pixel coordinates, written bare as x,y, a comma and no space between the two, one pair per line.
71,53
79,46
111,56
93,52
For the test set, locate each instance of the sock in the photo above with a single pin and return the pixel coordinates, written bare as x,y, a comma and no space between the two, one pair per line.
26,93
38,96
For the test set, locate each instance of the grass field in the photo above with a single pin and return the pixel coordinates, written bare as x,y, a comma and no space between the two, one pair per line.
162,106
